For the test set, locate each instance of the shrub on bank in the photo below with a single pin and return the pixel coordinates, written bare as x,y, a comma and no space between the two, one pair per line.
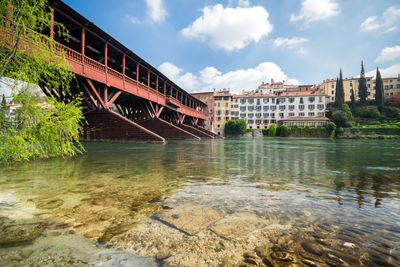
283,131
235,127
367,112
378,130
272,130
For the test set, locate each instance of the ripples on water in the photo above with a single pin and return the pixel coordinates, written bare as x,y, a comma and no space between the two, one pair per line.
246,201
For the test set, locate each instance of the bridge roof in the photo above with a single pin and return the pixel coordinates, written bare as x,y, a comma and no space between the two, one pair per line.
84,22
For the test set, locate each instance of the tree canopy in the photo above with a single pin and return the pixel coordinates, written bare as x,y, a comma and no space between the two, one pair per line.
41,126
362,86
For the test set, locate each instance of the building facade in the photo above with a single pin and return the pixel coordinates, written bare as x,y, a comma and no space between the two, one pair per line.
266,105
391,86
208,98
222,110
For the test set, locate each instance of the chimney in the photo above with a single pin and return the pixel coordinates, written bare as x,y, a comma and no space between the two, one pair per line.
272,81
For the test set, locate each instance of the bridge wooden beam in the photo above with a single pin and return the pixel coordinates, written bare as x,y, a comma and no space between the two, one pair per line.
159,112
96,93
114,98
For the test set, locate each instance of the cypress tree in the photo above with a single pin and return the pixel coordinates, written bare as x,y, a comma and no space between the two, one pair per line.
362,86
379,95
339,94
353,99
3,101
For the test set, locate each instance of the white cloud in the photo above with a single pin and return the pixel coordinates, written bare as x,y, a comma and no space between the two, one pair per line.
132,19
237,80
289,42
387,23
230,28
391,71
389,54
316,10
186,80
156,11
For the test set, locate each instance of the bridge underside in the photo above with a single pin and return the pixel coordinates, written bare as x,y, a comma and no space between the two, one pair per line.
114,115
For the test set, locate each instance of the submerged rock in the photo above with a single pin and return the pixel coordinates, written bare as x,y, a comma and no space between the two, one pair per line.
238,225
313,248
190,218
50,203
16,232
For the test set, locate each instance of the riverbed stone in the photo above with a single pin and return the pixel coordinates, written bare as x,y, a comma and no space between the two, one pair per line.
15,232
50,203
238,225
190,218
313,248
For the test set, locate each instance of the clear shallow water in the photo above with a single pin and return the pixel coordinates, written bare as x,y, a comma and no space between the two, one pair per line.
265,201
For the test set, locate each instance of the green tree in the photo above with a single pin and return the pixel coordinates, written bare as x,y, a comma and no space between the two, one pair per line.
379,94
235,127
339,94
284,131
30,59
272,130
352,100
362,86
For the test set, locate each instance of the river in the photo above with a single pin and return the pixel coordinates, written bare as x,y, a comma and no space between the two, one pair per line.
265,202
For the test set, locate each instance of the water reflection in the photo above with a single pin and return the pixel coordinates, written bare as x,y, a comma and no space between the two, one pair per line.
326,198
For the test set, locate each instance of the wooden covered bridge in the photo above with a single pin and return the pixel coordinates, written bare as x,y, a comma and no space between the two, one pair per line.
150,106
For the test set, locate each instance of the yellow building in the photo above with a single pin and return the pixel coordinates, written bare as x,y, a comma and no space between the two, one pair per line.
390,86
222,110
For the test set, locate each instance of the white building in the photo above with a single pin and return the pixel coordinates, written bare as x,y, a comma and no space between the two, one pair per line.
276,103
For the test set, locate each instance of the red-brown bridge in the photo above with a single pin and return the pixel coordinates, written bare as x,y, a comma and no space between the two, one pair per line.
111,77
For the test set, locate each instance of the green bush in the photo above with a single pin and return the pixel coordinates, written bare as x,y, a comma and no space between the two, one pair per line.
265,132
272,130
235,127
391,112
377,130
284,131
367,112
339,131
330,127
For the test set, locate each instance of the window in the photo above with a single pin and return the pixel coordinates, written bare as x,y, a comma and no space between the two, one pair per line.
311,107
242,108
320,106
265,115
369,93
282,107
251,115
311,114
311,99
391,94
351,84
273,100
306,88
250,108
386,94
281,114
273,115
273,107
291,107
321,114
258,115
301,100
227,118
242,101
333,86
320,99
258,107
258,101
265,100
291,99
291,114
218,118
386,87
265,107
265,121
219,112
250,121
226,104
301,107
219,104
242,115
398,86
369,85
391,86
258,121
251,101
301,114
226,112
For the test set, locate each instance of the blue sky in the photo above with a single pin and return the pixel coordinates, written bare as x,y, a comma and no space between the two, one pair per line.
237,43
